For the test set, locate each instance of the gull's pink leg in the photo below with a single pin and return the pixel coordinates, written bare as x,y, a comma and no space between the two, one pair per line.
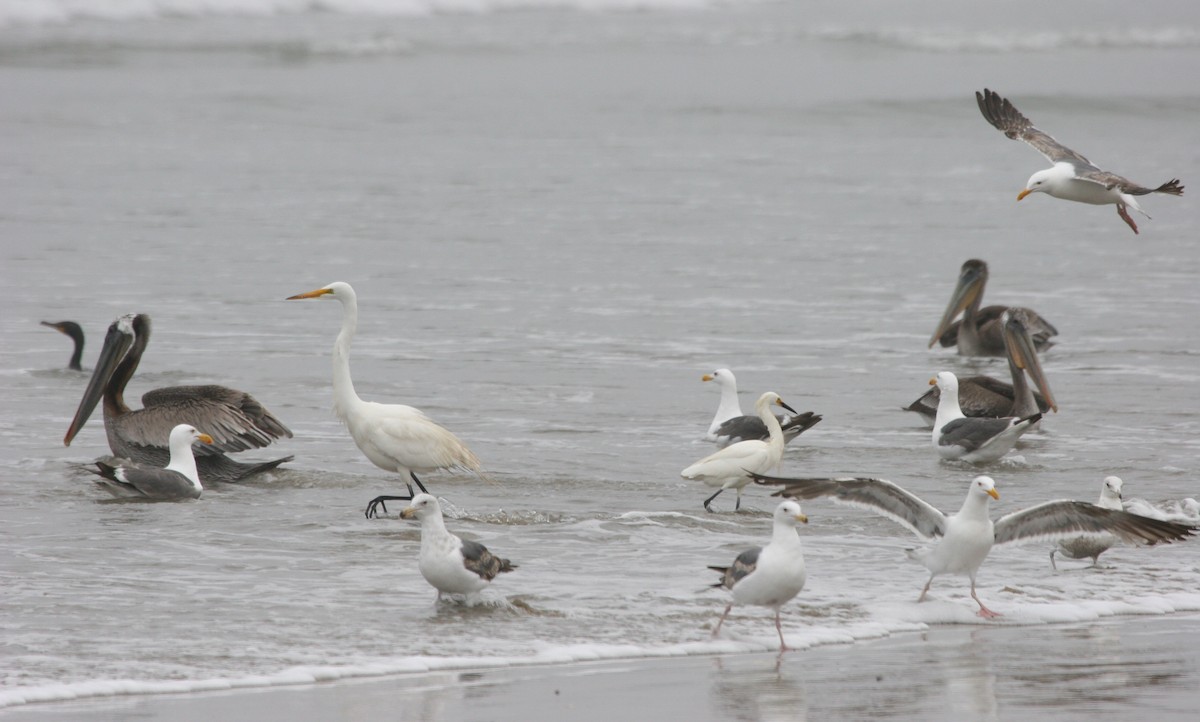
925,590
983,611
1125,217
782,644
722,619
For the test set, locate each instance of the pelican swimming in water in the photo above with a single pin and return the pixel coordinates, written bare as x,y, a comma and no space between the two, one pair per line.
984,396
963,540
394,437
75,331
730,425
979,333
973,440
1072,177
179,480
771,575
234,419
730,467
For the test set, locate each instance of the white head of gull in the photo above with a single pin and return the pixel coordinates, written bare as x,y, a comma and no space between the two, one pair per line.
730,467
394,437
975,440
450,564
768,576
179,480
962,541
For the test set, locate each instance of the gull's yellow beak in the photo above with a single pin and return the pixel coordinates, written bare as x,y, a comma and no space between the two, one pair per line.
994,494
311,294
408,512
933,382
707,377
205,438
1023,193
802,518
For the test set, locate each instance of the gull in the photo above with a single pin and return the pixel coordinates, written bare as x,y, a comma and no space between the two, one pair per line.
178,480
768,576
1072,177
730,425
975,440
1093,546
962,541
450,564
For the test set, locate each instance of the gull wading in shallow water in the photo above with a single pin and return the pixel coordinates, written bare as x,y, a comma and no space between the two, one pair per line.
730,425
450,564
973,440
179,480
394,437
980,332
730,467
768,576
1093,546
75,332
962,541
984,396
1072,177
234,419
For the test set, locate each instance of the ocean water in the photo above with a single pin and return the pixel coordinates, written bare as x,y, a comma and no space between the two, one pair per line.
557,216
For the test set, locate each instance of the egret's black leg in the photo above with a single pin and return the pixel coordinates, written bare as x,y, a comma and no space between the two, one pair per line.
709,500
419,484
378,503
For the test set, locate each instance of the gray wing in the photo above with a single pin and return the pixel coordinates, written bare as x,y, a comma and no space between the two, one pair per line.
879,495
477,559
129,479
1063,519
235,419
745,563
744,428
972,432
1008,120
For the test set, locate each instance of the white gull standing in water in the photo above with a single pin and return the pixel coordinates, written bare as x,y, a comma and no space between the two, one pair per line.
1072,177
730,425
962,541
450,564
768,576
1093,546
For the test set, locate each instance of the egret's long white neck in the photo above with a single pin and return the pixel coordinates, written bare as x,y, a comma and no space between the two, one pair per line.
776,440
344,396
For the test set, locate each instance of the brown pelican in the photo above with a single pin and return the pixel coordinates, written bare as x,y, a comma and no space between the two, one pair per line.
979,332
72,329
963,540
768,576
394,437
973,440
1072,177
234,419
730,467
984,396
449,563
730,425
1093,546
179,480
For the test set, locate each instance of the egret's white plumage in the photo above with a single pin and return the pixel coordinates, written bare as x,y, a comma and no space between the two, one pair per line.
768,576
975,440
965,538
730,467
1082,547
394,437
730,425
178,480
450,564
